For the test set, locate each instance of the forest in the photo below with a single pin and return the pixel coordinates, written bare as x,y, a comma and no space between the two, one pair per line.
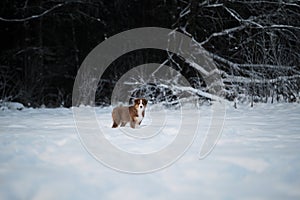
255,45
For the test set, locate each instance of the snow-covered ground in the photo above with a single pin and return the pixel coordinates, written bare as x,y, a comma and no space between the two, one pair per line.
257,157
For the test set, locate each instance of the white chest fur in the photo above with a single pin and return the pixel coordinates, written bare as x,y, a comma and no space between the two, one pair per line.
140,117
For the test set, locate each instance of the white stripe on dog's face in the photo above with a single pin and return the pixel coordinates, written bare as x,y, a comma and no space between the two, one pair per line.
141,106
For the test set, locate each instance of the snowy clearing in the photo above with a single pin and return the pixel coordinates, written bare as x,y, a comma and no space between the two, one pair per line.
257,157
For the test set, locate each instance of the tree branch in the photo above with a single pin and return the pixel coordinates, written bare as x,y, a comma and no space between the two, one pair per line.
241,79
91,17
235,15
224,32
248,65
34,16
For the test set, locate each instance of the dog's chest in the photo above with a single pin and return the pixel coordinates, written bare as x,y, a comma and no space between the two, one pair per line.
140,117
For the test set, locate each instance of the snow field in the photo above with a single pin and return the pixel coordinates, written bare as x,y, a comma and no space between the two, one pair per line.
257,157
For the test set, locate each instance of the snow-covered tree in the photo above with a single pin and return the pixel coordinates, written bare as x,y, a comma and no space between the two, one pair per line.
254,43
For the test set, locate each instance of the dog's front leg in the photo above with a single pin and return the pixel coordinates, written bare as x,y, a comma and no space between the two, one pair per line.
132,124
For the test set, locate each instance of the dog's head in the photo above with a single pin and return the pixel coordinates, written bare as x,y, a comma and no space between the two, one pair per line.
140,103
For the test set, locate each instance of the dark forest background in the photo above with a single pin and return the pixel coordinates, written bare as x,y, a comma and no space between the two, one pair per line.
255,45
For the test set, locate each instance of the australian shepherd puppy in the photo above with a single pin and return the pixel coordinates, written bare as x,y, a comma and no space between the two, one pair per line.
133,114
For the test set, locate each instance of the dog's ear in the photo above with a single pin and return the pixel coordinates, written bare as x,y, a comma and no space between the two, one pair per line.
145,101
136,101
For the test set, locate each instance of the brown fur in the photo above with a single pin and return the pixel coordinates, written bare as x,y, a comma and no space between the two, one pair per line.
123,115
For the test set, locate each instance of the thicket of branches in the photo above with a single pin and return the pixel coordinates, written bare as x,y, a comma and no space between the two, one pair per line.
43,42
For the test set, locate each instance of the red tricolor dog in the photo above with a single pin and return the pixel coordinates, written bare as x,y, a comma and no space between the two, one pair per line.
133,114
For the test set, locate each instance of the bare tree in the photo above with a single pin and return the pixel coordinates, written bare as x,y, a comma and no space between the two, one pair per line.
255,44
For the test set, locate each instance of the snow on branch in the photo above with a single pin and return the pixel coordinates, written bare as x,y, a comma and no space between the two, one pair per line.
91,17
224,32
185,11
281,26
35,16
248,65
235,15
240,79
197,92
289,3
